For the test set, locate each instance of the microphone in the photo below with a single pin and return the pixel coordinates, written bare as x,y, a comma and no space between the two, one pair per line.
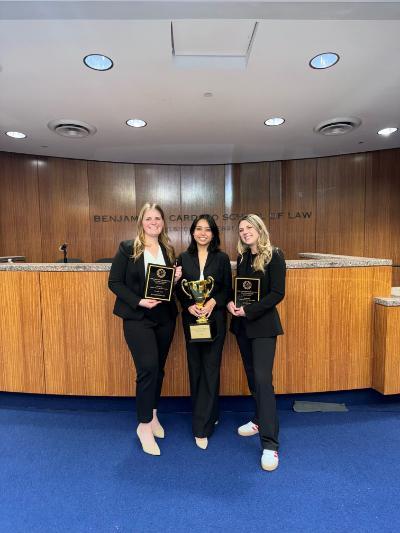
63,248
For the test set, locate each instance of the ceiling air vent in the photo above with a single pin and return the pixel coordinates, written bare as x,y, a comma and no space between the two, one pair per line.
337,126
73,129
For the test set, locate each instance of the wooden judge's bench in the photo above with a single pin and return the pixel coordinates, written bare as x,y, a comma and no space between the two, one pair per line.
58,334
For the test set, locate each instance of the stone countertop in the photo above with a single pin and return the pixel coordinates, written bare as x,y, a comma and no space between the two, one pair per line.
308,260
391,301
335,261
56,267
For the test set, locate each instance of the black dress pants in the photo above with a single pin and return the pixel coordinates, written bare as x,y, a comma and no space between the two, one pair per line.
258,360
204,363
149,344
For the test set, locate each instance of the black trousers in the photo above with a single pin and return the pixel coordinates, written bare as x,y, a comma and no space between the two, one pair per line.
258,360
149,345
204,363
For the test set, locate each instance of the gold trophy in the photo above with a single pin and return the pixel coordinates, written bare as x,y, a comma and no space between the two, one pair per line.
204,330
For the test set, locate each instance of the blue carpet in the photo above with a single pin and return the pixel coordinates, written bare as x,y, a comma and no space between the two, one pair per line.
82,470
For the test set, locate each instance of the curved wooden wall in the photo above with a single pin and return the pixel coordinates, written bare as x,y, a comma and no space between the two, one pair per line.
345,204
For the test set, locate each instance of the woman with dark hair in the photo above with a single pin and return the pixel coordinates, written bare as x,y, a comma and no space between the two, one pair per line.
203,258
148,324
256,327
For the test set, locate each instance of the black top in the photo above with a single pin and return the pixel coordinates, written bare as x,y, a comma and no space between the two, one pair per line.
127,280
218,266
262,318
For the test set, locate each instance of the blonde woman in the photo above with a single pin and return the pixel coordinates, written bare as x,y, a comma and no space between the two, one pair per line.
148,324
256,327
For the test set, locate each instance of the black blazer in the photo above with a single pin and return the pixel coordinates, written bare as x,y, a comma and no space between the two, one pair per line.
127,280
262,318
218,266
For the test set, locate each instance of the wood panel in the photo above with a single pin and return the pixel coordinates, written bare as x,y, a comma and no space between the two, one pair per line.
64,208
340,204
303,364
246,191
161,184
382,213
327,316
232,210
84,349
354,203
112,206
396,277
386,377
21,347
293,207
202,191
19,207
328,319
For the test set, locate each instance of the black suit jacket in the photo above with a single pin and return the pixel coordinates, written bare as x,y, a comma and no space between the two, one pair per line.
218,266
262,318
127,280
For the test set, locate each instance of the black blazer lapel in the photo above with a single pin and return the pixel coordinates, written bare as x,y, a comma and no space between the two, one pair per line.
142,273
210,259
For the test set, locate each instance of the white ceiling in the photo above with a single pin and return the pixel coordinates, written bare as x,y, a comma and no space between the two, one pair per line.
43,78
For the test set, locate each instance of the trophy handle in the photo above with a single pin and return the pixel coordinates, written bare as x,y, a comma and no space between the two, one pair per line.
184,283
210,279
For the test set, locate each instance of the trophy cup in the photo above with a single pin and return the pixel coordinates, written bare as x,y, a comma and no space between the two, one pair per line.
204,330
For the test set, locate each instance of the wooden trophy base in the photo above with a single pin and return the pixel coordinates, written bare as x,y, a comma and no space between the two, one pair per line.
206,332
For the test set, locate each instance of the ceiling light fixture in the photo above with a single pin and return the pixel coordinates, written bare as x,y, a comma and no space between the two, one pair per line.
16,134
136,123
387,131
325,60
275,121
98,62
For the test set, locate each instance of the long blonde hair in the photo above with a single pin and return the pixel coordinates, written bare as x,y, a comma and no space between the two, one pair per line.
264,246
140,240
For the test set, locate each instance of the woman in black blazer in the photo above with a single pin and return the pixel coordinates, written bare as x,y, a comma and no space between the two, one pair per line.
203,258
256,327
148,324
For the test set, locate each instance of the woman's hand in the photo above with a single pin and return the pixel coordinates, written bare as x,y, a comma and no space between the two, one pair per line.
195,311
208,307
232,308
148,303
240,311
178,274
235,311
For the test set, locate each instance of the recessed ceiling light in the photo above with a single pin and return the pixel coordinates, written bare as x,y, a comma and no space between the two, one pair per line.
275,121
98,62
16,134
325,60
387,131
136,123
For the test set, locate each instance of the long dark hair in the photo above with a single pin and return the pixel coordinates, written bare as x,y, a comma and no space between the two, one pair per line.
215,241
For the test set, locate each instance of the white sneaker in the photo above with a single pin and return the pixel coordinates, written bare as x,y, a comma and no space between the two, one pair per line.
269,460
247,430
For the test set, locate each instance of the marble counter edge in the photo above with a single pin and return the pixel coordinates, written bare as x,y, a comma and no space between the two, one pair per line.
391,301
346,260
325,261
